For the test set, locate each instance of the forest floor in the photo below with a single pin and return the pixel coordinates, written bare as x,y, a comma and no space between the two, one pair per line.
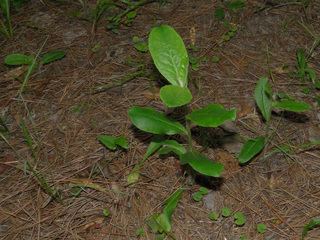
69,102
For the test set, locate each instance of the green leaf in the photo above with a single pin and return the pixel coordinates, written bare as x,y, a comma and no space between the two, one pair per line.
139,44
106,212
213,216
239,219
301,60
197,196
261,228
171,146
292,105
175,96
52,56
112,142
219,13
169,54
164,219
251,148
203,190
202,164
212,115
262,96
235,5
140,232
18,59
226,212
152,121
314,223
133,176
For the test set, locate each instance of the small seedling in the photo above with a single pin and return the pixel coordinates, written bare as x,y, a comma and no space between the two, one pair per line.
314,223
140,232
197,196
17,59
139,44
239,219
235,5
266,101
226,212
304,72
261,228
106,212
160,223
213,216
171,59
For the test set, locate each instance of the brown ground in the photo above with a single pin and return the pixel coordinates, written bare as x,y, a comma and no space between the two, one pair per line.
64,118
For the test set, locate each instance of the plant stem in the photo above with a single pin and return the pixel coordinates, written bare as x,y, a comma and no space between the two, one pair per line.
189,136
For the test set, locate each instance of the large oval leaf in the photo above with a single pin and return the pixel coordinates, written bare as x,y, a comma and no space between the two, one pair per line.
251,148
262,96
169,54
18,59
152,121
212,115
292,105
202,164
175,96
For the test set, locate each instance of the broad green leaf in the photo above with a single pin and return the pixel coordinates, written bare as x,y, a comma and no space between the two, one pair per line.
212,115
251,148
239,219
152,121
262,96
175,96
261,228
314,223
301,60
18,59
52,56
169,54
112,142
226,212
292,105
202,164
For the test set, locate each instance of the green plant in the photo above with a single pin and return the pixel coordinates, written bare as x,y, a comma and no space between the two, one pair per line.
112,142
17,59
314,223
171,59
197,196
106,212
213,216
267,101
139,44
160,223
261,228
5,25
239,219
226,212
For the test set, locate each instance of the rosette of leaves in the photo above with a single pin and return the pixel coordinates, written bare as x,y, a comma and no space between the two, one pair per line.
171,58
